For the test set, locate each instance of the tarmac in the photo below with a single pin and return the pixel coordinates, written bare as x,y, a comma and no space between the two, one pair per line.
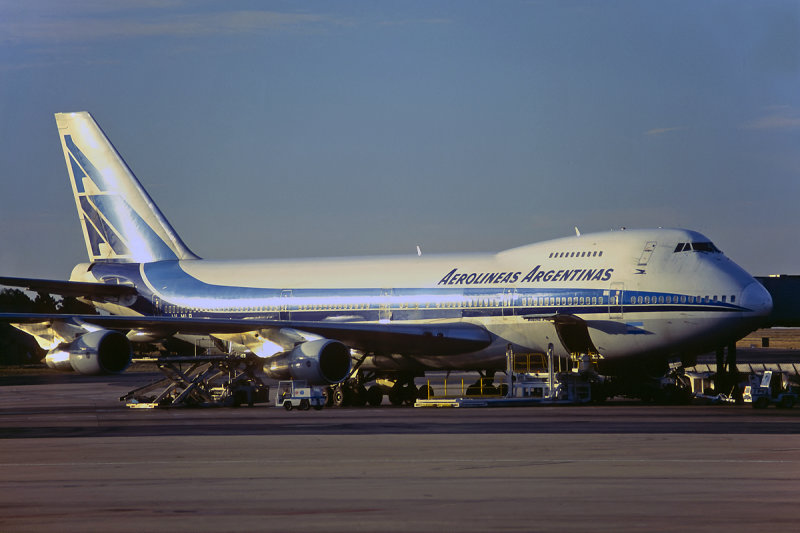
73,458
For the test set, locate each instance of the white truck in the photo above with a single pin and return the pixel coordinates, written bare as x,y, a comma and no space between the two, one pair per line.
769,389
298,394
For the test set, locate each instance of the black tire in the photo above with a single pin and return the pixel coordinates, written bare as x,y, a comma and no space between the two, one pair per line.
305,405
425,392
760,403
374,395
396,395
287,405
240,398
338,397
358,396
410,393
317,406
787,402
474,390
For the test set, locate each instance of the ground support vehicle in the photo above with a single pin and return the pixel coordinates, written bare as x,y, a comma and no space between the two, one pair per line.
201,381
297,394
769,389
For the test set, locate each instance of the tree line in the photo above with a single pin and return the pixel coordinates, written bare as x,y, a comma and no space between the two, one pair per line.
19,348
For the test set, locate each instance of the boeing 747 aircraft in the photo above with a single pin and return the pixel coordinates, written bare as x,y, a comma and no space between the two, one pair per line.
625,297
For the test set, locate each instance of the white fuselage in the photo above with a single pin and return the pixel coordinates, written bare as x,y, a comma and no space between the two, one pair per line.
636,292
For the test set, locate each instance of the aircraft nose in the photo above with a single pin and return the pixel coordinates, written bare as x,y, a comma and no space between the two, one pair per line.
757,299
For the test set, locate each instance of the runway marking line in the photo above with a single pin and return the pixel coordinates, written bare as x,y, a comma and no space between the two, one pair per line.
406,461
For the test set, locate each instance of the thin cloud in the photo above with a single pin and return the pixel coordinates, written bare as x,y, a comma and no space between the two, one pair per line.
662,131
780,118
405,22
85,29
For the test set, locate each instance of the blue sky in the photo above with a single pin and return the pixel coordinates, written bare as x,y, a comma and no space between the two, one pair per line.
284,129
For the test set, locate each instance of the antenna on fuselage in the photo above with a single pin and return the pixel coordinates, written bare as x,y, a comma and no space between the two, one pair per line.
419,251
577,231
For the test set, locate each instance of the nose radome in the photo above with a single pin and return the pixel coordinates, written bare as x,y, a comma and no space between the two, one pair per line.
757,299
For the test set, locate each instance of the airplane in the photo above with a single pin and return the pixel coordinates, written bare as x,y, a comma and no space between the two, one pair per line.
627,297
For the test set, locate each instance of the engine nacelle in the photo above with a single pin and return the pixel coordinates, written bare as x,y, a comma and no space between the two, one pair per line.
318,362
97,352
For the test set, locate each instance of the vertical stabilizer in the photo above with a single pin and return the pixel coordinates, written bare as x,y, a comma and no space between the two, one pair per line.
119,220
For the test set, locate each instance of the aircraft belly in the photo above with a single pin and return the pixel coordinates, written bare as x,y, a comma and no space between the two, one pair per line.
525,336
639,335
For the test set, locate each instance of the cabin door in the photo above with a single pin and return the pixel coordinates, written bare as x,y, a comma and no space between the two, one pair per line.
385,309
509,297
615,295
286,298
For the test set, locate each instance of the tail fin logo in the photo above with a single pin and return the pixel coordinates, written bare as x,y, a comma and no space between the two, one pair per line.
107,218
119,220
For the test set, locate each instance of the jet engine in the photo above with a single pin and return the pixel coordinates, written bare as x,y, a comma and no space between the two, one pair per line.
319,362
97,352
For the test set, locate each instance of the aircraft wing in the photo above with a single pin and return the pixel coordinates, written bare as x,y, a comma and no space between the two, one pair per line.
440,338
95,291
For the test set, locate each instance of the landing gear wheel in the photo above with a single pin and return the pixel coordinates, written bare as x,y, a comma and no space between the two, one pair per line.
410,393
396,395
425,392
327,394
358,396
338,396
374,395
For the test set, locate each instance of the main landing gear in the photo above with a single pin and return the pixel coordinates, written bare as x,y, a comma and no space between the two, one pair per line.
354,392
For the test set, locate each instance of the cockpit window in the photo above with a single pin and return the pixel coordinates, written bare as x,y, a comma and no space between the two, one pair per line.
697,247
705,247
